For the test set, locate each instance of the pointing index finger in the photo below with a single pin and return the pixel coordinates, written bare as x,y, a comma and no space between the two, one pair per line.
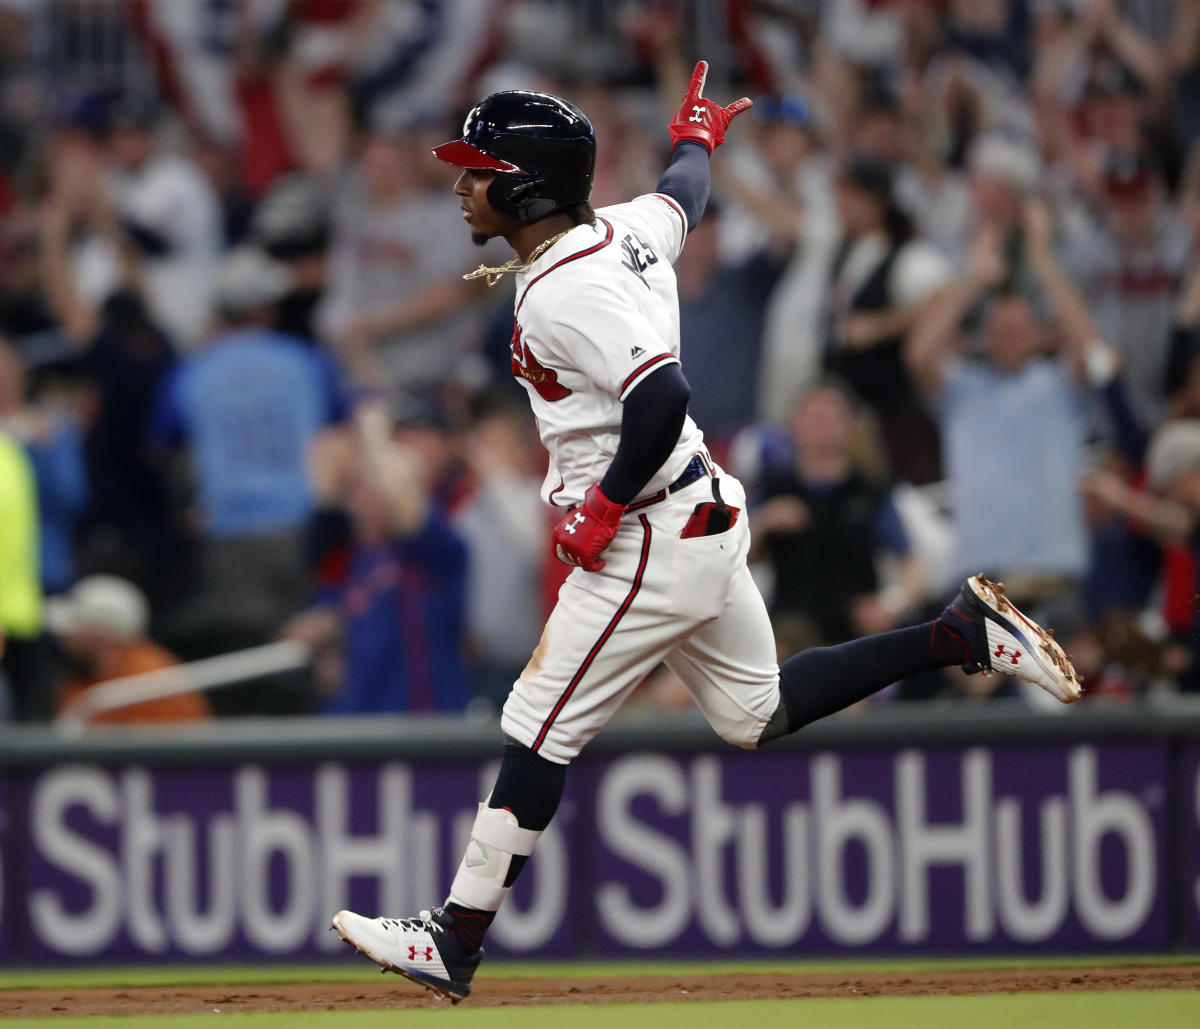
699,74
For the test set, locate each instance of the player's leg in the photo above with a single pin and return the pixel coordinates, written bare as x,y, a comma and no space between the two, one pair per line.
606,633
506,828
822,680
442,948
727,665
729,668
981,630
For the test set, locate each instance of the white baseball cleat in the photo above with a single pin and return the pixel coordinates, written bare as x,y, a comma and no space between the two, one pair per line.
999,638
421,949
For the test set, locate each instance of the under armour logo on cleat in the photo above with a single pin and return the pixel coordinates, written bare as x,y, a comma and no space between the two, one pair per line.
427,953
697,113
999,652
572,526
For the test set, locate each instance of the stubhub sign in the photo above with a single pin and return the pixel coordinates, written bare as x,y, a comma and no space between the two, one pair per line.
1049,847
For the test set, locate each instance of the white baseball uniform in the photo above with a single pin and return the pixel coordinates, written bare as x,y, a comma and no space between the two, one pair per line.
596,314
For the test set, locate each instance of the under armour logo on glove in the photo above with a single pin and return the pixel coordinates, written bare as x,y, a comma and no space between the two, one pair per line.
585,533
701,120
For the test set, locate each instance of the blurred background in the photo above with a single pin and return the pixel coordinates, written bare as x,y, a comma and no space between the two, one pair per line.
941,318
262,456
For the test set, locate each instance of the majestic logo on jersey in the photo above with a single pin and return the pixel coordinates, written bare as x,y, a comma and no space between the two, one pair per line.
526,366
638,256
636,351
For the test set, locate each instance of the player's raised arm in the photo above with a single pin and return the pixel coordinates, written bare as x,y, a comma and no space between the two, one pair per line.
697,129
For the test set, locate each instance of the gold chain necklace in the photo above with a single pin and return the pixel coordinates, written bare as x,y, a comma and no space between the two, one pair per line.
514,264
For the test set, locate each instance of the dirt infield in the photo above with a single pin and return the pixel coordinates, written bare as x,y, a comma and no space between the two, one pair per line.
495,991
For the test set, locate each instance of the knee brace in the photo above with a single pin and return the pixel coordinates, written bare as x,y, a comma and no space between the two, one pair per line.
495,854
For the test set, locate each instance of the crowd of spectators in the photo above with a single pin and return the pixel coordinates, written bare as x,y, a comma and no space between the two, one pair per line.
942,317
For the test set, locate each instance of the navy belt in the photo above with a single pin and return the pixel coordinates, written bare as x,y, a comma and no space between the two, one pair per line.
696,468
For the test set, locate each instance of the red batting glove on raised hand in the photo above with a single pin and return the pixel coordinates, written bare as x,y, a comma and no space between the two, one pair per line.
703,120
585,533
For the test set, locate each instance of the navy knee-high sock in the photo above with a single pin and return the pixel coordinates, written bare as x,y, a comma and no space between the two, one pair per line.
818,682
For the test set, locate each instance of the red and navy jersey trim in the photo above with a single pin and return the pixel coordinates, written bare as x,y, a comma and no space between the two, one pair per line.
604,637
643,367
608,236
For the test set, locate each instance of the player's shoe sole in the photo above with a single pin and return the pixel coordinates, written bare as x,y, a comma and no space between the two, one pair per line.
363,935
1001,638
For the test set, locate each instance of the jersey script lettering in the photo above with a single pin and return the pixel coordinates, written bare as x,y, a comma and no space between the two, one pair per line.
526,366
638,256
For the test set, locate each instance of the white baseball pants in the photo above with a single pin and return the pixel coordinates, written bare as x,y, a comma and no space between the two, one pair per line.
690,603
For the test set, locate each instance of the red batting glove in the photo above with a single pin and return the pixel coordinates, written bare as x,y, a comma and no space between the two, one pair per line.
585,533
703,120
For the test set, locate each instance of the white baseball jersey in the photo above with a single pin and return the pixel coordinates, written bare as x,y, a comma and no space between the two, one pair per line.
595,315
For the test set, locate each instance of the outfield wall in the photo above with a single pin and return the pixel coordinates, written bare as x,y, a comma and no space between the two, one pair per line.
916,829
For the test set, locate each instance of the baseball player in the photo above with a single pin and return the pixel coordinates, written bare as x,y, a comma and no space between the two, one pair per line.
656,531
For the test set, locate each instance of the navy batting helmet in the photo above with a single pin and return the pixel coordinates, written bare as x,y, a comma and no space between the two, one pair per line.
541,147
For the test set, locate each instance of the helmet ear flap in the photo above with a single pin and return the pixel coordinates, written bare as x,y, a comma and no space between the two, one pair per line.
518,197
531,205
539,208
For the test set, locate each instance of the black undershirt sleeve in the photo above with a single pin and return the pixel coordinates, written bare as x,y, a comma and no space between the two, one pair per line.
650,426
688,180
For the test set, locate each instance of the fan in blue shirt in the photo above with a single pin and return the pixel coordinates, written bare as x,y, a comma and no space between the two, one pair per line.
248,404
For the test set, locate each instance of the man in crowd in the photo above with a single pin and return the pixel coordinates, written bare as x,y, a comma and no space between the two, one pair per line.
823,525
999,387
52,439
397,308
880,280
102,625
720,302
394,621
170,213
1129,266
246,406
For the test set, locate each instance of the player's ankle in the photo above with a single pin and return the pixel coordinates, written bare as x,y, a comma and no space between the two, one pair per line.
946,645
469,926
